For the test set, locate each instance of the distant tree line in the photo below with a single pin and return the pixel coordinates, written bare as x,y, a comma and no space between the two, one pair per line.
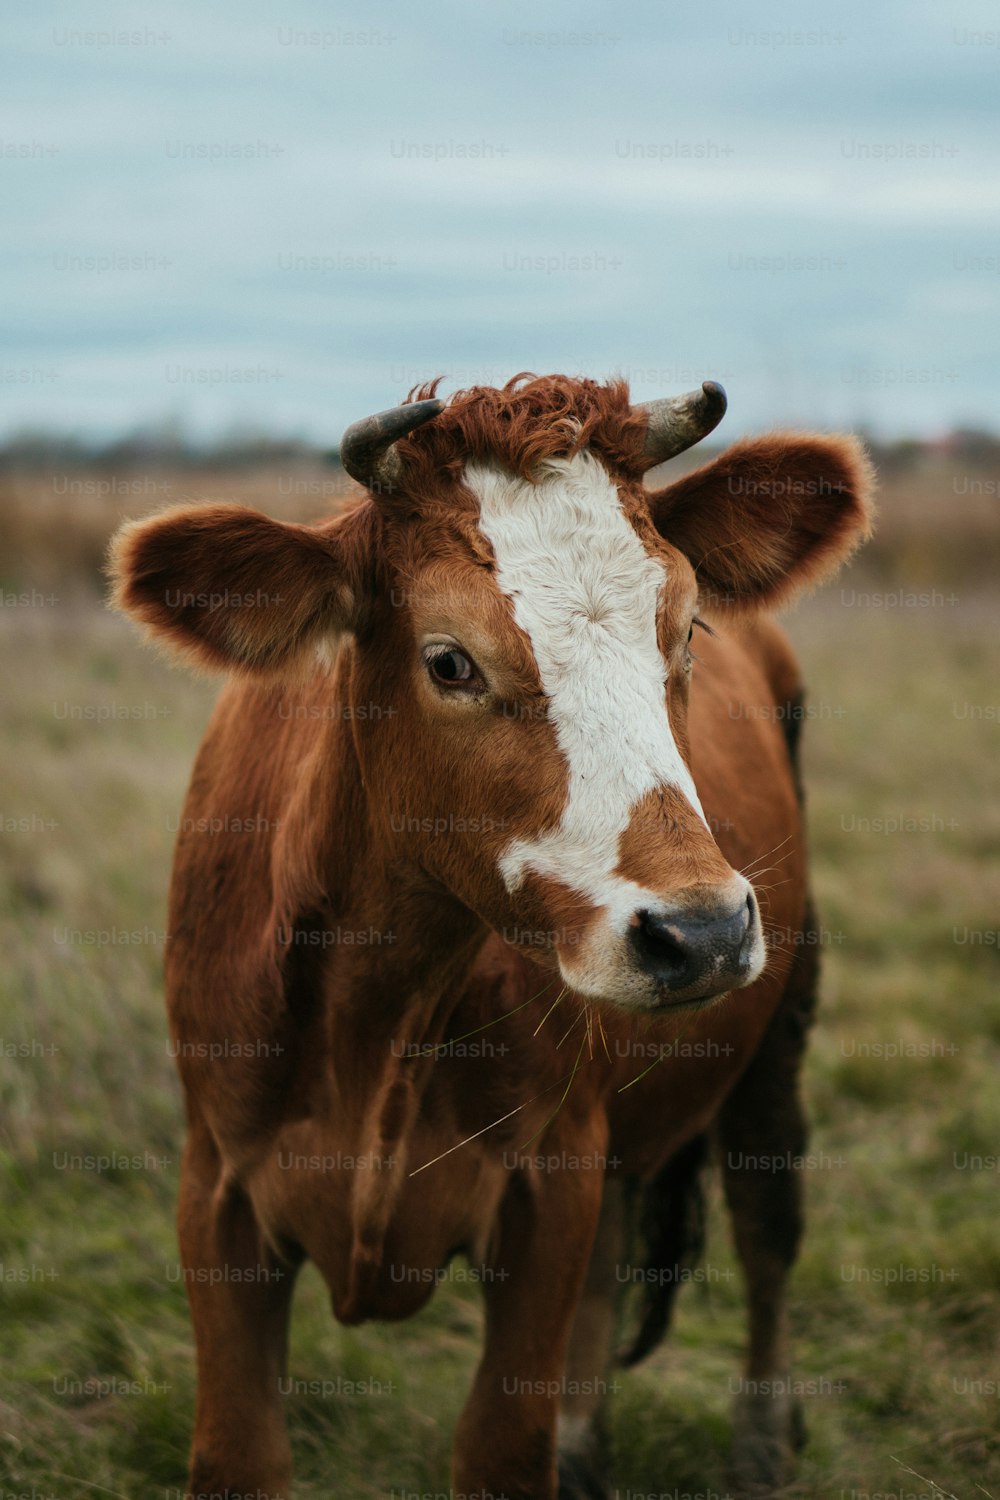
170,448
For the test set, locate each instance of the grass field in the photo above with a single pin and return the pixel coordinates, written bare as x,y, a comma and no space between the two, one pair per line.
896,1301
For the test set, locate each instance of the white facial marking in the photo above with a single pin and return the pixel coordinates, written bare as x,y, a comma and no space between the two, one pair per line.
586,593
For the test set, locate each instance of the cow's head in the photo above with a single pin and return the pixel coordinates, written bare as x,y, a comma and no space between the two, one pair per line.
519,611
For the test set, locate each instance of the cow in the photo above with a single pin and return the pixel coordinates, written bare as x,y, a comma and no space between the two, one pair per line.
514,735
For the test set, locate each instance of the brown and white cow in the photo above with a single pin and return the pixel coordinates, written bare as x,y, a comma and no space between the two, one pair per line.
491,798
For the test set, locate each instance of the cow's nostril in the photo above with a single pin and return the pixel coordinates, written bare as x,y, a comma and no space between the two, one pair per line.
661,942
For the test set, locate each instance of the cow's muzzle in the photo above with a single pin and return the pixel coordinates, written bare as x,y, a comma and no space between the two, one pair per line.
696,953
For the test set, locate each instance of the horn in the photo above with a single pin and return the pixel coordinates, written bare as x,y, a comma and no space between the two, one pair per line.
366,449
680,421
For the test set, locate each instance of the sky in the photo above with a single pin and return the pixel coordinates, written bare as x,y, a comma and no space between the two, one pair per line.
277,217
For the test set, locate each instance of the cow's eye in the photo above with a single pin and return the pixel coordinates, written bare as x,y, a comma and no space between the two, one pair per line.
450,667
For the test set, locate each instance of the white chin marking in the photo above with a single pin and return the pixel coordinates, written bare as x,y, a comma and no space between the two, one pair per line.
586,593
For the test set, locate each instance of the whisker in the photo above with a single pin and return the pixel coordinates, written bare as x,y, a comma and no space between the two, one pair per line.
562,1101
765,870
754,875
575,1022
756,863
497,1019
548,1013
779,961
656,1060
768,870
510,1113
477,1133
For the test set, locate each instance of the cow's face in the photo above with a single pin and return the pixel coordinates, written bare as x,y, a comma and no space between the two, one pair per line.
525,640
536,653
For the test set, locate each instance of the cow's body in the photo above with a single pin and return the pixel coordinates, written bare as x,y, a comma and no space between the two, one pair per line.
357,958
376,1080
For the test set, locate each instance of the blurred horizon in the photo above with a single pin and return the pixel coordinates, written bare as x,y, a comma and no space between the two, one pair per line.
275,220
168,446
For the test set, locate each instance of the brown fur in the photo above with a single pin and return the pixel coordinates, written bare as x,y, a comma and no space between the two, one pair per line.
297,1046
527,421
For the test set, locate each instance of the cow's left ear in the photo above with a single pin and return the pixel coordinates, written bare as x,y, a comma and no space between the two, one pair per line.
769,517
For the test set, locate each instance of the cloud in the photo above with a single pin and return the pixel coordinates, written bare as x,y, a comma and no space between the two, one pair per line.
799,207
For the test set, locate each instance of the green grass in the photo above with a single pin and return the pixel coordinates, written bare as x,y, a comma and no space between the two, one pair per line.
96,1388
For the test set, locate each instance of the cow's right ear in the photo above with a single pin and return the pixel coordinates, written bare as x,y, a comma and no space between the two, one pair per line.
235,591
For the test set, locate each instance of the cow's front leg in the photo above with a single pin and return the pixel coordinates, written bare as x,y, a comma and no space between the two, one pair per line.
505,1443
762,1137
583,1445
240,1297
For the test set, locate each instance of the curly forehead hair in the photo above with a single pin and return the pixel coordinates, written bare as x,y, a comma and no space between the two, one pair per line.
521,424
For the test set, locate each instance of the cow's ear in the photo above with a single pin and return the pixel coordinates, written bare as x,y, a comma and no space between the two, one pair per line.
235,591
769,517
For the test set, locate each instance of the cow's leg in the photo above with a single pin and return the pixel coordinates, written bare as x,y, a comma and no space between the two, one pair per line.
582,1438
505,1443
763,1119
240,1297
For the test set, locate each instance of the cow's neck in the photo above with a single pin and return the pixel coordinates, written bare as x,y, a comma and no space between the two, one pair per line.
394,950
387,1009
395,943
